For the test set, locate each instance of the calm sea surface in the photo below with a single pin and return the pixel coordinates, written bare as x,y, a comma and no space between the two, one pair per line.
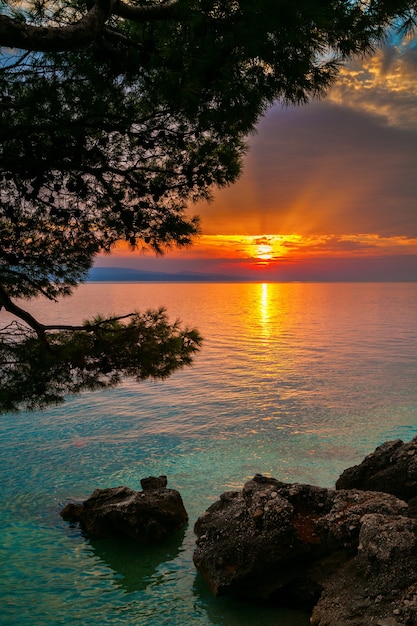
297,381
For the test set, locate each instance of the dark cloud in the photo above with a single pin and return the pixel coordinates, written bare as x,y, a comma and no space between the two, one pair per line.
323,168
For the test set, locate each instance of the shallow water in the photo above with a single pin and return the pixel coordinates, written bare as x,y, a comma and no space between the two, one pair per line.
298,381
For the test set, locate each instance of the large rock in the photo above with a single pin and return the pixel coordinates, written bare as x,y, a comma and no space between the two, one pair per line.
378,586
274,540
146,516
391,468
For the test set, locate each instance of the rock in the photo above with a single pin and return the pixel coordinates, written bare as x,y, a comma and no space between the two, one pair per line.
387,552
153,482
273,539
391,468
146,516
350,553
378,585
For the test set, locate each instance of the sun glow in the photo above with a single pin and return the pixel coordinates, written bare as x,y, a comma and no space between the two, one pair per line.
264,252
265,248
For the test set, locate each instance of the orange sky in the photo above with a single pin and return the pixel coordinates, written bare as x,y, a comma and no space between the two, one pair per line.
328,189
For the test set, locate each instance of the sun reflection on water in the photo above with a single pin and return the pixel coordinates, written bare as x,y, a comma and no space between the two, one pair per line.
265,309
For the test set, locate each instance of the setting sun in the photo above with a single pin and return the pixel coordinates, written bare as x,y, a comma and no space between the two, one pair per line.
269,247
279,257
264,252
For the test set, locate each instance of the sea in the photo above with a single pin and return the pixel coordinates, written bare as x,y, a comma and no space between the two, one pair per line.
297,381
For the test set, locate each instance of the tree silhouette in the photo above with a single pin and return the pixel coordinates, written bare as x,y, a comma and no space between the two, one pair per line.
42,364
115,118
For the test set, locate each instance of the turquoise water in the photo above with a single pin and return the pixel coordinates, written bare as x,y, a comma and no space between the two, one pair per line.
298,381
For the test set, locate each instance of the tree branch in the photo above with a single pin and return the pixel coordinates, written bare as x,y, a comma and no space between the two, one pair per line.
17,34
11,307
31,282
87,327
40,329
148,13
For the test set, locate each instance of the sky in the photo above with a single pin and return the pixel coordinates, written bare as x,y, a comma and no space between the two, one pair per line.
328,190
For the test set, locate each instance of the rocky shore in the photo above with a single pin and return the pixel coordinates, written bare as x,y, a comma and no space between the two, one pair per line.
349,555
146,516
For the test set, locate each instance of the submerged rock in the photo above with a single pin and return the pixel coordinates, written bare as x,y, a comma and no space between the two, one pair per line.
146,516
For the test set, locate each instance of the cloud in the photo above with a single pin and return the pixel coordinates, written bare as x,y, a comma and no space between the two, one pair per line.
233,249
329,190
384,84
346,164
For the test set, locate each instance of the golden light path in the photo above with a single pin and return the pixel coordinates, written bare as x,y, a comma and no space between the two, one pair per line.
264,306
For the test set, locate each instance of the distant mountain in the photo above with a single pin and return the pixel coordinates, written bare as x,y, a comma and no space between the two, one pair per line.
129,275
